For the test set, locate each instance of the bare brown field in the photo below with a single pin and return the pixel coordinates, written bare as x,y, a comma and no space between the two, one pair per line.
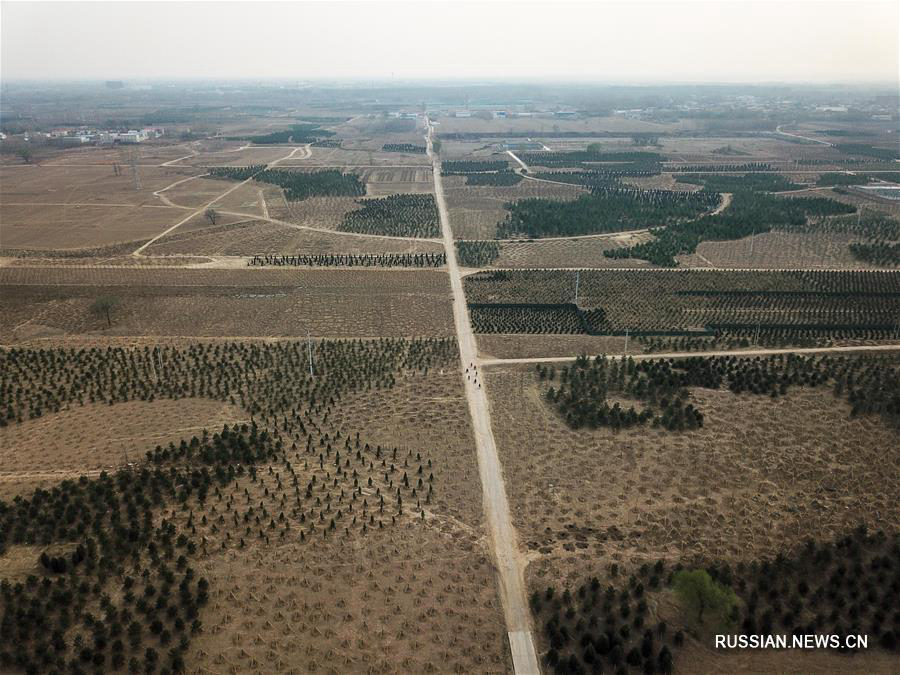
383,182
418,597
480,149
84,184
778,250
97,437
320,212
242,155
252,198
262,237
82,227
571,252
340,157
536,346
758,477
83,207
758,149
475,211
195,193
56,301
145,153
417,594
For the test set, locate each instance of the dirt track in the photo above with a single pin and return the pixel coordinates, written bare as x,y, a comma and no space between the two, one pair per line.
507,556
679,355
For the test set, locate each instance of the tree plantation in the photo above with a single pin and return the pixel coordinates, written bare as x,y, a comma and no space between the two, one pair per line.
663,388
404,215
114,549
604,210
749,213
776,307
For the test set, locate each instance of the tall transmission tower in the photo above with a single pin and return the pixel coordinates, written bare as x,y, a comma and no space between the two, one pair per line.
134,171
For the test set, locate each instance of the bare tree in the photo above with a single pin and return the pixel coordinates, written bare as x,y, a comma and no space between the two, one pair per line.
104,306
212,216
23,152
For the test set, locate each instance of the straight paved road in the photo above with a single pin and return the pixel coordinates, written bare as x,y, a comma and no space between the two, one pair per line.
509,561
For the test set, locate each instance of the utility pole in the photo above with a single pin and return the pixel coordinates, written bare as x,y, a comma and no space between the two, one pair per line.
134,171
577,282
626,342
309,351
756,339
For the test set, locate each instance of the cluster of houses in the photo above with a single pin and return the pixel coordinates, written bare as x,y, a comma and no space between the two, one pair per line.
85,135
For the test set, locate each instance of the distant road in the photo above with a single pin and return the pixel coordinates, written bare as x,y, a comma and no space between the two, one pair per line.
805,138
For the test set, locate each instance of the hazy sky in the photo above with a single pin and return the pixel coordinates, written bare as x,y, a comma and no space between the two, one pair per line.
683,41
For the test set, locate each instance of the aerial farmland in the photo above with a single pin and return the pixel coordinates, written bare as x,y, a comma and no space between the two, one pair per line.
448,377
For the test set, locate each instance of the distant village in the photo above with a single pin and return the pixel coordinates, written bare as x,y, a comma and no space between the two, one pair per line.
86,135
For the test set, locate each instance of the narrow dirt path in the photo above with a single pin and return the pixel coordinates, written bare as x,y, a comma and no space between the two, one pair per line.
518,161
893,347
192,214
726,202
507,556
805,138
168,202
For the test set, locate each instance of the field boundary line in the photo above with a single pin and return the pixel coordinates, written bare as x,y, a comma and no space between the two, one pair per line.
893,347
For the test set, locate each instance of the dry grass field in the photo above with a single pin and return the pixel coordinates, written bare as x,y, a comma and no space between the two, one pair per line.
93,184
259,237
383,182
410,585
571,252
82,207
778,249
537,346
97,437
240,155
146,154
67,228
341,157
249,302
755,481
415,595
416,598
320,212
758,477
475,211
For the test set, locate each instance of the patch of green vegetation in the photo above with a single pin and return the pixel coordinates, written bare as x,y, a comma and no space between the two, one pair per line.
604,210
477,253
453,167
299,185
754,182
395,216
297,133
886,154
749,213
834,178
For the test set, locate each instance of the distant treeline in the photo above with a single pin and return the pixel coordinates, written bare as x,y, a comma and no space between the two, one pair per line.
298,133
886,154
